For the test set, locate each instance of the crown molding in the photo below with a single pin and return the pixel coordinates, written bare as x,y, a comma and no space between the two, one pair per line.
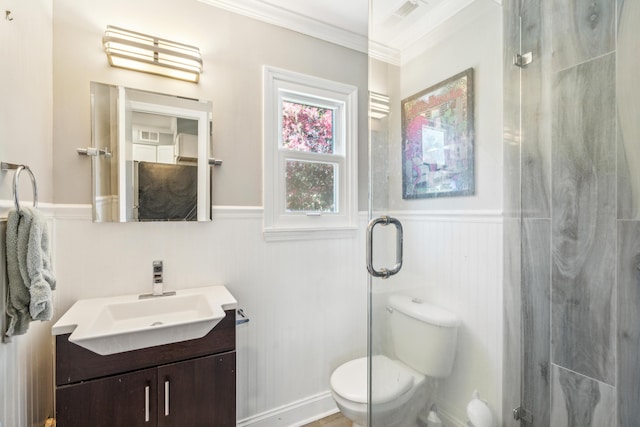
384,53
293,21
417,37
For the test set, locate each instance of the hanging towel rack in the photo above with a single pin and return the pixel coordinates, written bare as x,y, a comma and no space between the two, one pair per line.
4,166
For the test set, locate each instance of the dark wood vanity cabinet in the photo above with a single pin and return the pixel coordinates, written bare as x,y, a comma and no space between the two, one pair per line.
113,401
187,384
196,392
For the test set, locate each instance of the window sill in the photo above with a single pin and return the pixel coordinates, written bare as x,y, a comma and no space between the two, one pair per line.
277,234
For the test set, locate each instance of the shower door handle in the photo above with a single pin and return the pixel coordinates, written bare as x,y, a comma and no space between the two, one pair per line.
384,272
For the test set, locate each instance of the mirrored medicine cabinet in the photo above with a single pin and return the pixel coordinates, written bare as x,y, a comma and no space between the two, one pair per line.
150,156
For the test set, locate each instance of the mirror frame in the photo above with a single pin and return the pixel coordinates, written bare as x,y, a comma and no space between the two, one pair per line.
136,100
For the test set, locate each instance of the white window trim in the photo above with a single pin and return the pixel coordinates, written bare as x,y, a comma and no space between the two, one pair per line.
280,225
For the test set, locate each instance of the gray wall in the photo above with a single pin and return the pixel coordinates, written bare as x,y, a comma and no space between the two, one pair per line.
26,369
576,210
234,49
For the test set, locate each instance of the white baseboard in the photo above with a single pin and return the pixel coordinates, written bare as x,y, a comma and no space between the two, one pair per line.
294,414
450,420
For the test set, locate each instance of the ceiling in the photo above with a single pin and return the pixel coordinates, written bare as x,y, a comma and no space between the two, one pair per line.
397,25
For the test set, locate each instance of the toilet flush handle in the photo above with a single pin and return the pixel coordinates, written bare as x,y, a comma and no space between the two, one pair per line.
384,272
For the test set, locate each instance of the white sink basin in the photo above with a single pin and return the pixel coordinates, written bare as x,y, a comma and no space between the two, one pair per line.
124,323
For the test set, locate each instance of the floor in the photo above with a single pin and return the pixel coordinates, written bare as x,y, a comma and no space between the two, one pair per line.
335,420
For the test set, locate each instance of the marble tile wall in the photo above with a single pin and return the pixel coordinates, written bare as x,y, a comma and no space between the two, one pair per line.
580,401
582,30
584,215
536,327
536,112
628,209
628,321
627,91
579,233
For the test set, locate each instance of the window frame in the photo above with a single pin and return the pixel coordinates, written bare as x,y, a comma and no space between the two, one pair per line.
279,224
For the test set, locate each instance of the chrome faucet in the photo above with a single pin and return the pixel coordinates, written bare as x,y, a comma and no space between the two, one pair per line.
157,279
158,283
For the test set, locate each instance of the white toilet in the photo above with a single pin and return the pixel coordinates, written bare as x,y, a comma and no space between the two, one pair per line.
424,338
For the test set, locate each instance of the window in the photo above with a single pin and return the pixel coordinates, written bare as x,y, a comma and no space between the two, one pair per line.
310,150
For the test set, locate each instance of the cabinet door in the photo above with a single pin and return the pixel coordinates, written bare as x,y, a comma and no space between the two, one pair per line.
121,400
166,154
144,153
198,393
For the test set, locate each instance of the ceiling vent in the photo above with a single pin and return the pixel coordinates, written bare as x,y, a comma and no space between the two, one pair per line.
149,136
406,8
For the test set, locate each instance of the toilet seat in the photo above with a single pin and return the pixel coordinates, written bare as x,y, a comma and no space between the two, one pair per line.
390,380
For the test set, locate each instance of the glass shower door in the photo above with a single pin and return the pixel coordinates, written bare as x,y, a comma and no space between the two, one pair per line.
385,238
435,150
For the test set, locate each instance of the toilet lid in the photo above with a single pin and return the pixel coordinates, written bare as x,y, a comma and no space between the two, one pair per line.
390,380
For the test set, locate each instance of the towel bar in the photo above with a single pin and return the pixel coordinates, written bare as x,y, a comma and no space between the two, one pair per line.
241,317
4,166
90,151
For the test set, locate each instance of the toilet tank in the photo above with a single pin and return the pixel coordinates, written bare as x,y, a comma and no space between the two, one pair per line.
424,336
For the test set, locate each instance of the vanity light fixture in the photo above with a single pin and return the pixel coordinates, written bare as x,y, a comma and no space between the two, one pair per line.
378,105
150,54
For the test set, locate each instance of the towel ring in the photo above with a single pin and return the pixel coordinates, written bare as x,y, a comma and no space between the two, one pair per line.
16,177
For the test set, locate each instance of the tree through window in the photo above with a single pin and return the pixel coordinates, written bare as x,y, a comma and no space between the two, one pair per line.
310,186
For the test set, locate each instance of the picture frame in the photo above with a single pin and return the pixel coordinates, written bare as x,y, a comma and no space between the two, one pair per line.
438,140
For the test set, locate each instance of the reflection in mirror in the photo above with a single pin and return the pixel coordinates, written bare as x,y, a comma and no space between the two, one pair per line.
154,156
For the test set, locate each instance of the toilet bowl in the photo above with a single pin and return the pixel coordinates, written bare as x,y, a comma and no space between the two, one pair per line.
394,386
424,340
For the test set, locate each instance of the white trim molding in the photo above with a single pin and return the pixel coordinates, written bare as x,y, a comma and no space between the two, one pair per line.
309,409
6,205
282,85
477,215
84,211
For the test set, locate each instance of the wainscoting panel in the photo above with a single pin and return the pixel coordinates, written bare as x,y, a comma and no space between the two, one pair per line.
26,366
454,260
306,300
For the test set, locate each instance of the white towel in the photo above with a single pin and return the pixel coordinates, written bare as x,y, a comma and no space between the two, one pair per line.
30,286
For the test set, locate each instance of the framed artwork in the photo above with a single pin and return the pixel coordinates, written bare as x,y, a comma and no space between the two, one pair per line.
438,140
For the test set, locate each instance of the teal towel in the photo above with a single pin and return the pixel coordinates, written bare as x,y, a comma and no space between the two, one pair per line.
31,283
18,298
35,263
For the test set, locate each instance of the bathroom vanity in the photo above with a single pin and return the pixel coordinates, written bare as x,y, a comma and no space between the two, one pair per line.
190,383
185,382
